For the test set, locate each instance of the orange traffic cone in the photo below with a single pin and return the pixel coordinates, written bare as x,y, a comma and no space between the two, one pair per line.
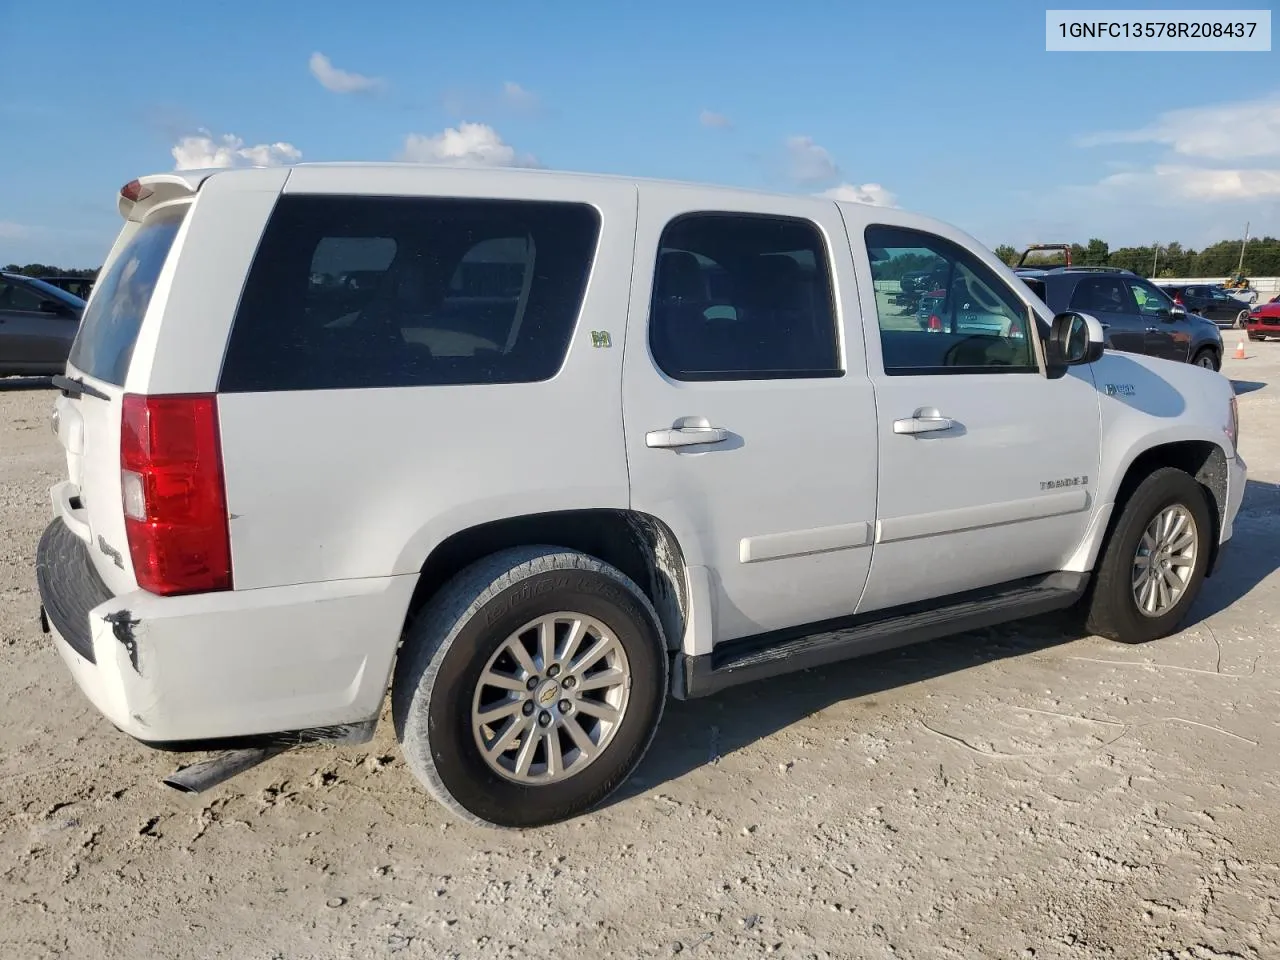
1240,349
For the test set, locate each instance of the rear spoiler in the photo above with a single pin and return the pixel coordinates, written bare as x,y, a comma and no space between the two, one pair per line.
139,196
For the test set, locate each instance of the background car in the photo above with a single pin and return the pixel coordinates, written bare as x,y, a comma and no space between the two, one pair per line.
1137,316
1209,301
1264,320
76,286
38,321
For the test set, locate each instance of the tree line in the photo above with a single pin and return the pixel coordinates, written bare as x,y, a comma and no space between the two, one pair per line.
1261,258
45,270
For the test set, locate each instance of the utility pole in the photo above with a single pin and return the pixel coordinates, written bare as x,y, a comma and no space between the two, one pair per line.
1154,258
1240,268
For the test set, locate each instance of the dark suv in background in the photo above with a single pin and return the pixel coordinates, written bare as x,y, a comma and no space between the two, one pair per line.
1209,301
1138,316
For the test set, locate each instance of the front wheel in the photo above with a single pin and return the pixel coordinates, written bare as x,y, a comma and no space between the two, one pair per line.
1154,563
1206,358
530,687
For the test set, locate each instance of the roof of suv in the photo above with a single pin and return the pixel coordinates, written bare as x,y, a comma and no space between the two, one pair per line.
193,178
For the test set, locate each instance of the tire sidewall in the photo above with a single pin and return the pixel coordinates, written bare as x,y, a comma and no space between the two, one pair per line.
457,667
1147,503
1206,354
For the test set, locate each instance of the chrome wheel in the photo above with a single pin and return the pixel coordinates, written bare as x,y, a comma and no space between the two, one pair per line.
1165,560
1242,318
551,698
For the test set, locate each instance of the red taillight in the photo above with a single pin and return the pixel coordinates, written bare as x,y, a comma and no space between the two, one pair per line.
175,505
1177,298
135,191
935,323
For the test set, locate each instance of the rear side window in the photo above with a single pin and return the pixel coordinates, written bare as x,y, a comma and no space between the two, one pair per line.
743,297
1101,295
109,329
352,292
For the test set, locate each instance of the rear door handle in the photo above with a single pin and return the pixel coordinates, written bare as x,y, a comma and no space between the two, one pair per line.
685,432
923,421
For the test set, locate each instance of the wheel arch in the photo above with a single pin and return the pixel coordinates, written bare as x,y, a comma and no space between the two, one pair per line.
640,545
1204,460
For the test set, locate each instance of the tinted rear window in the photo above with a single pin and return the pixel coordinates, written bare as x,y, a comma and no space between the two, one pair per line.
392,292
104,344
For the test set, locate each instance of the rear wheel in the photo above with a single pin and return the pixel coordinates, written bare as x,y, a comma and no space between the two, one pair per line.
1154,563
1241,319
530,687
1207,357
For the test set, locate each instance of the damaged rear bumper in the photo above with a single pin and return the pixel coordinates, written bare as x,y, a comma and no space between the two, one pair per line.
308,658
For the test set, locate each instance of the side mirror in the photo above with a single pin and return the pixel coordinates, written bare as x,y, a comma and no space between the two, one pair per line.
1075,338
1177,311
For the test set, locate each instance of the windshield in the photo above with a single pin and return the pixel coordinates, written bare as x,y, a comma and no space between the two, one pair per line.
104,345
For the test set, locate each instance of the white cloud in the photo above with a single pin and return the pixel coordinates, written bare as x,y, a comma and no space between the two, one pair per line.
341,81
1215,167
809,162
718,121
1227,131
203,151
872,193
468,144
517,96
12,231
1196,183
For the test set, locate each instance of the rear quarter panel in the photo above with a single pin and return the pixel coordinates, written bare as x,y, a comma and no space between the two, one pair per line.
181,343
336,484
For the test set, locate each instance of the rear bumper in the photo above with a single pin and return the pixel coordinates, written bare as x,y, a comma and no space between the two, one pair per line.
221,665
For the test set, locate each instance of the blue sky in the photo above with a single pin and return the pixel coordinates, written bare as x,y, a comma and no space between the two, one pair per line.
952,109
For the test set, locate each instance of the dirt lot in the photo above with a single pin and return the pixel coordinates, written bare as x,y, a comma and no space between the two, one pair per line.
1022,793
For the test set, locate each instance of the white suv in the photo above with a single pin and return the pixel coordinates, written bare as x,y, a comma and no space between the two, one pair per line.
535,450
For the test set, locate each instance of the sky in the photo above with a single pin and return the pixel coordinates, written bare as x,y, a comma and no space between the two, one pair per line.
950,109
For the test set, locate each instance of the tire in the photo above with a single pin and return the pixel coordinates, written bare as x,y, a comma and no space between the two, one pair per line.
1241,319
1112,608
1207,357
466,632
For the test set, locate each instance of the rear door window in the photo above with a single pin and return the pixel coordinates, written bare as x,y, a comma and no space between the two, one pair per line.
18,298
743,297
108,331
1102,295
349,292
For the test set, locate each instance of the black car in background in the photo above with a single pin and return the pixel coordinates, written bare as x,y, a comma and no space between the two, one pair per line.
1136,315
1209,301
38,321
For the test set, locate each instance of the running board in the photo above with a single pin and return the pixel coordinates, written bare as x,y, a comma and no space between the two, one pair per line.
819,644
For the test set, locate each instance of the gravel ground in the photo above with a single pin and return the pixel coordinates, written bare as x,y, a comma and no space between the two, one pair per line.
1020,793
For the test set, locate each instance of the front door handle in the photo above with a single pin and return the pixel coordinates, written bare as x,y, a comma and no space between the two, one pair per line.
924,420
685,432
